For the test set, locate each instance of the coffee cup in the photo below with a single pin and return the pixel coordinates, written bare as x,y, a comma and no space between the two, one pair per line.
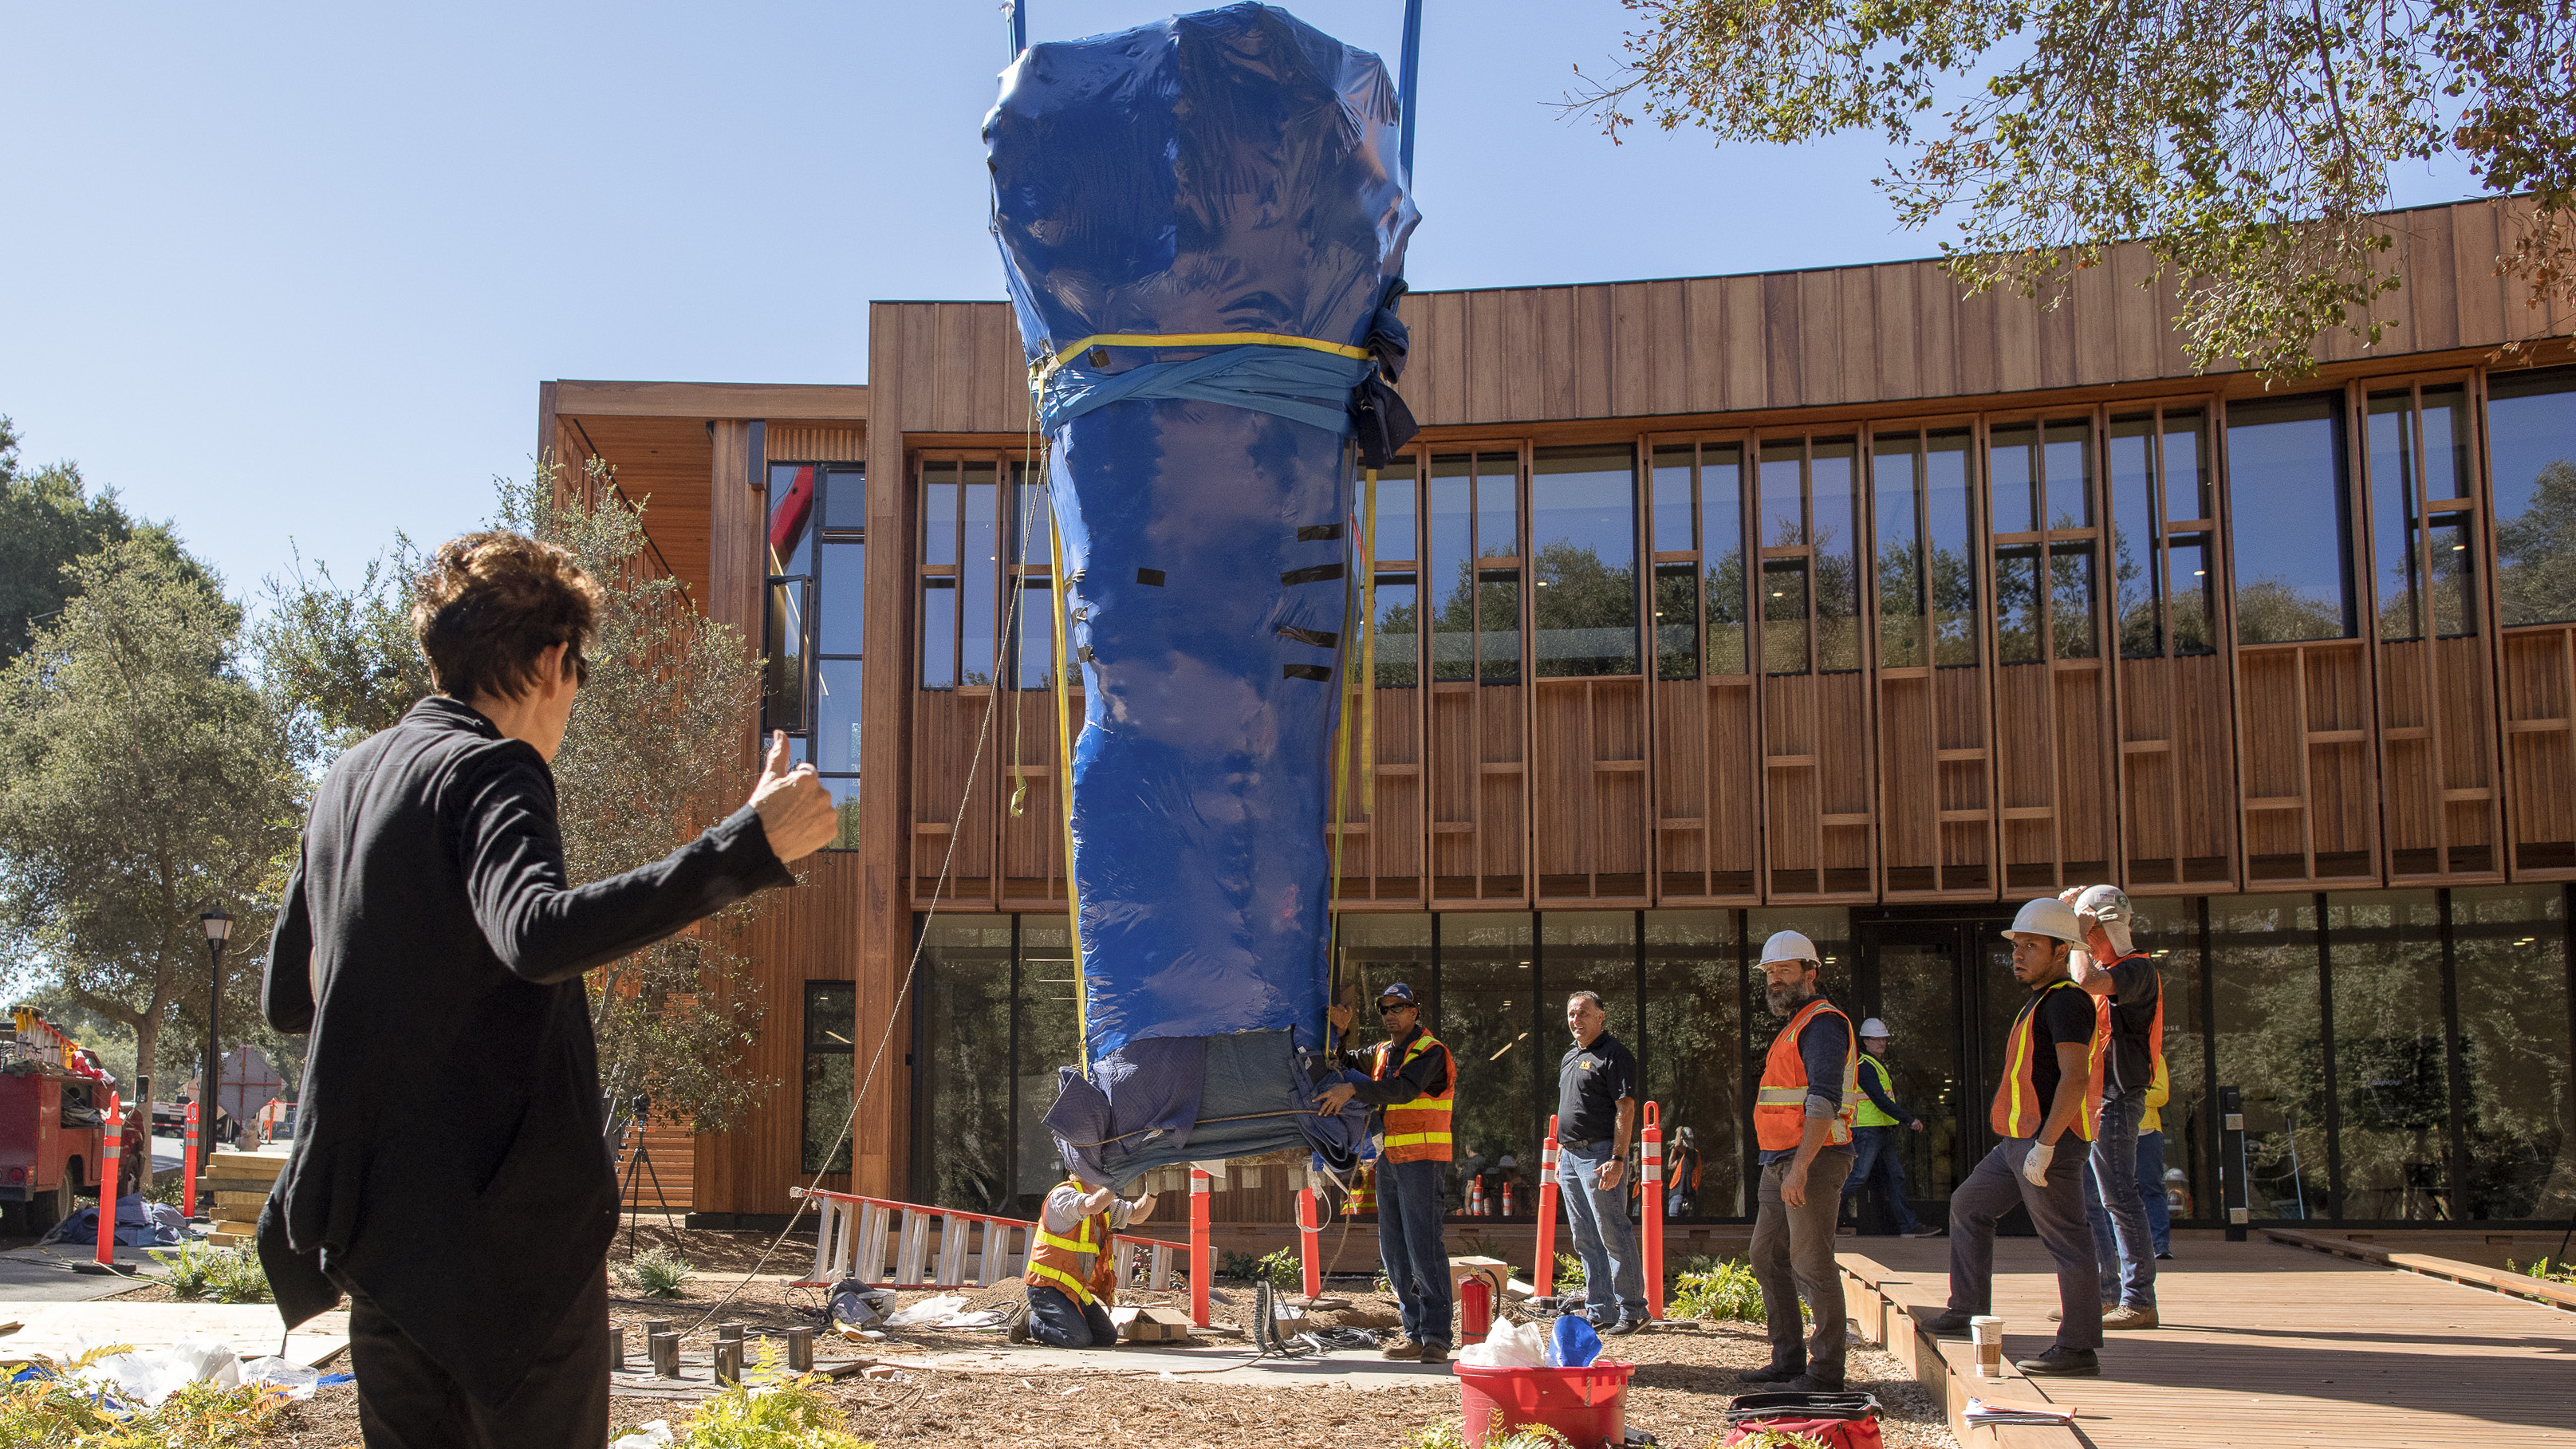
1986,1335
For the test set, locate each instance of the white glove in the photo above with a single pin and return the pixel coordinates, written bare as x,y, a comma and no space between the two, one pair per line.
2034,1167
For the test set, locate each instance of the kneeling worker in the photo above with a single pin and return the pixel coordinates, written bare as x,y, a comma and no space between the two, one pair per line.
1412,1082
1073,1274
2042,1109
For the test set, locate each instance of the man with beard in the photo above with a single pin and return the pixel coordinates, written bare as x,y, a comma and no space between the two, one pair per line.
2043,1101
1802,1121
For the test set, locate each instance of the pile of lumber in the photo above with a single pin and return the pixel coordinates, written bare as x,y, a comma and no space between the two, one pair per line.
240,1182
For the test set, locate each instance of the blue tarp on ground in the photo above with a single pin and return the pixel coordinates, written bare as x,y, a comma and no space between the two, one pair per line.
1231,171
139,1224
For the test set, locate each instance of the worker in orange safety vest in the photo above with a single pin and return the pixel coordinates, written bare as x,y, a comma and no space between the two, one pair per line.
2046,1102
1073,1275
1802,1125
2129,1041
1412,1085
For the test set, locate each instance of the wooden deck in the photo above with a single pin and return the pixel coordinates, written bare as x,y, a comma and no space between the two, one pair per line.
2267,1344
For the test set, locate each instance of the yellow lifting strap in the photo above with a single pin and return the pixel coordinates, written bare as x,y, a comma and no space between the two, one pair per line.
1063,667
1045,367
1368,651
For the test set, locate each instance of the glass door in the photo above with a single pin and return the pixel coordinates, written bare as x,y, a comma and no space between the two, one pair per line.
1945,990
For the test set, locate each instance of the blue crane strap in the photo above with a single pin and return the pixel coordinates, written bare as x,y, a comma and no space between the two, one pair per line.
1290,382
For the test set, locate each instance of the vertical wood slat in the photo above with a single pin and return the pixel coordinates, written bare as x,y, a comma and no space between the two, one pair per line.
2538,699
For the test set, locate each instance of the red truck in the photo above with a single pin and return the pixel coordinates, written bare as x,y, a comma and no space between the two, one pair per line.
53,1128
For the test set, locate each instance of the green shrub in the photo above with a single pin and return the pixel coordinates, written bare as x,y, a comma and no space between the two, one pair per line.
769,1410
1569,1272
226,1275
1719,1289
1284,1270
1452,1434
52,1410
656,1273
2544,1269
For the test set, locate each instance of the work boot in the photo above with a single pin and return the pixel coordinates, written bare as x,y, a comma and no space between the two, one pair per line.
1772,1374
1435,1353
2063,1363
1624,1326
1953,1324
1403,1349
2126,1316
1925,1230
2058,1315
1810,1384
1020,1322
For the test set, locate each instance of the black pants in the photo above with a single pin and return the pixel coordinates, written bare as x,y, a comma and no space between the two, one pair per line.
406,1401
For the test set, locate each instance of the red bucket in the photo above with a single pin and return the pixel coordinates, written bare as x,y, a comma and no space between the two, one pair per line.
1588,1405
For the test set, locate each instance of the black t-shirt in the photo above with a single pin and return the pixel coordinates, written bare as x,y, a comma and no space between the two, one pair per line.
1589,1083
2064,1016
2134,990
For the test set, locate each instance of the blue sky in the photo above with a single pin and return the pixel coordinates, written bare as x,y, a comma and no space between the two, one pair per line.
293,273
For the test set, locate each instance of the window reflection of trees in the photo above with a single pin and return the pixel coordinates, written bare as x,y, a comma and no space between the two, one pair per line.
2531,439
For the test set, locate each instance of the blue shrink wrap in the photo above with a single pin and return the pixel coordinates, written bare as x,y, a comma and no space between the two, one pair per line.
1228,176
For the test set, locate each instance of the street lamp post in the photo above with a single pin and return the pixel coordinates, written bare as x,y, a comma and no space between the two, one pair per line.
218,927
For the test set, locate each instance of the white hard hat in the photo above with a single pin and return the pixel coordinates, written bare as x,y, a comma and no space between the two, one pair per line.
1873,1027
2107,904
2176,1174
1788,946
2048,916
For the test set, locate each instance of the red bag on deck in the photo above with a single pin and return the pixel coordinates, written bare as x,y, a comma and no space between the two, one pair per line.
1838,1421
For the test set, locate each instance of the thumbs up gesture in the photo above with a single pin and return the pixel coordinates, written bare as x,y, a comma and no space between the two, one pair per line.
795,810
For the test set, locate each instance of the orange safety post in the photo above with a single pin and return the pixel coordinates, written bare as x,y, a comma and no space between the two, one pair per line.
1199,1247
1651,1188
1310,1240
188,1170
107,1183
1543,1272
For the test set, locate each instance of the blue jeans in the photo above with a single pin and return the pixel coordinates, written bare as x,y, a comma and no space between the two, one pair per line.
2151,1193
1614,1275
1412,1198
1058,1322
1877,1151
2124,1251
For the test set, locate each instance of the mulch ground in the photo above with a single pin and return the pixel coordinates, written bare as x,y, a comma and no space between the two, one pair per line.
1686,1374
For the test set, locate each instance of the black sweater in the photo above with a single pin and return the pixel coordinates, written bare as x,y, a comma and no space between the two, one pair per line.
450,1160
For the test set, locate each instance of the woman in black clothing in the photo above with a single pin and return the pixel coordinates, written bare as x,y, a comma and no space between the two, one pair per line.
449,1172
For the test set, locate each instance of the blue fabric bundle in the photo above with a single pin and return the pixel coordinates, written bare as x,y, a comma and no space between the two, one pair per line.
1219,174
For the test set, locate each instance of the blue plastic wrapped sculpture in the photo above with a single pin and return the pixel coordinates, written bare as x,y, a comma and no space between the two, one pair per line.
1203,223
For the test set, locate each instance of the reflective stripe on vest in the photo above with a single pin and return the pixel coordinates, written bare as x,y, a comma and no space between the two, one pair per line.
1780,1104
1417,1131
1871,1114
2017,1111
1067,1263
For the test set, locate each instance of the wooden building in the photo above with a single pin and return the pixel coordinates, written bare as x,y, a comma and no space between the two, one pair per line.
1876,610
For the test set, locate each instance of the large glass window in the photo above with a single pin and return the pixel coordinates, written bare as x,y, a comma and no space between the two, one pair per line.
1490,1016
1399,611
2510,945
1025,516
1808,518
2531,441
2164,595
2290,516
1696,537
831,1028
1927,567
2423,520
2168,930
814,623
1583,561
965,1004
1476,567
2047,546
1049,1028
2265,979
960,572
1693,1031
787,622
2392,1090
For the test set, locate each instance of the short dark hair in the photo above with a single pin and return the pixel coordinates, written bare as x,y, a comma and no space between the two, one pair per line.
488,604
1594,997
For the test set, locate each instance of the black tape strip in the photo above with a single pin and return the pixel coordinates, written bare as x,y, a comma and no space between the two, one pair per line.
1320,638
1316,575
1315,531
1306,671
1150,576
